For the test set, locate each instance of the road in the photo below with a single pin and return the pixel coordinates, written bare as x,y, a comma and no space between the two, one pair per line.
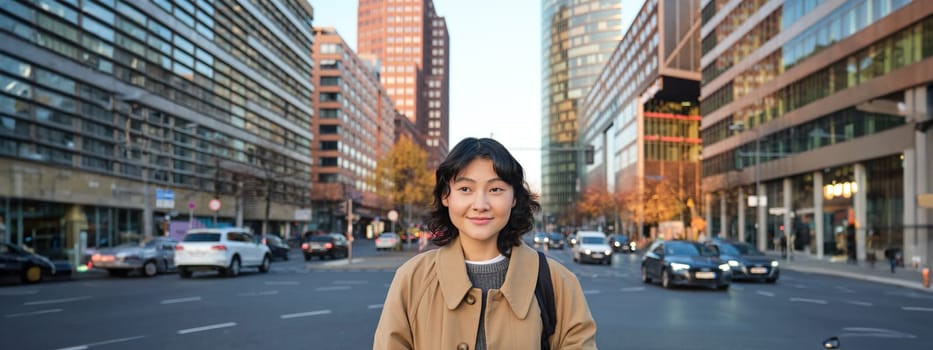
330,305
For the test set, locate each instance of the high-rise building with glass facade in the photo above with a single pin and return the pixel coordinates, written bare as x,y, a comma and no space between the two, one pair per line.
816,125
411,42
354,127
642,118
122,119
577,39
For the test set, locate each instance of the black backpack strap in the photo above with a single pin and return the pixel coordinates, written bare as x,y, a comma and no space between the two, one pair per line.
544,293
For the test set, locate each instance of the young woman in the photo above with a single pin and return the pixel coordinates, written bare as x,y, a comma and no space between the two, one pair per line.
477,291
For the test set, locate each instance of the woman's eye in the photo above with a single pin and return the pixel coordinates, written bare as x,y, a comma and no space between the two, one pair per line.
497,190
463,189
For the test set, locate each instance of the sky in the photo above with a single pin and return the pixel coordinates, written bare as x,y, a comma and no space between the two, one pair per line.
495,69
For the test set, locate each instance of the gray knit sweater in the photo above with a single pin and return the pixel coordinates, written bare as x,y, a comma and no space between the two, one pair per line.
486,277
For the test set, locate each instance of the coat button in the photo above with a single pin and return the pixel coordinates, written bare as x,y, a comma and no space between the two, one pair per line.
463,346
470,300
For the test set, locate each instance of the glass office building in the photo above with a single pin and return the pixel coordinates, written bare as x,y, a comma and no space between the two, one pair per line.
123,119
816,125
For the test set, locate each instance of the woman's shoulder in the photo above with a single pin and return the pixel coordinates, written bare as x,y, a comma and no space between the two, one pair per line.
419,264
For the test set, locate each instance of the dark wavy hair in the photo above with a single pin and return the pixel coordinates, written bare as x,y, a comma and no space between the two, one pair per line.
521,218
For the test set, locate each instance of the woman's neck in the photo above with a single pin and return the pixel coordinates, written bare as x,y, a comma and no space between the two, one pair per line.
479,250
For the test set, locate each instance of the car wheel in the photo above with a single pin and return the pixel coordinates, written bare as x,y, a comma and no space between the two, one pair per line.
234,269
771,280
644,275
150,269
266,264
285,256
723,287
307,257
665,279
32,274
185,273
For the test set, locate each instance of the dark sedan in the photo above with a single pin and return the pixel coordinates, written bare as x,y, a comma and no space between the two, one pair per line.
620,243
684,263
277,246
746,261
332,246
29,267
555,241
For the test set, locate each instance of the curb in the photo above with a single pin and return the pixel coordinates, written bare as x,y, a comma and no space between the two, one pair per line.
875,279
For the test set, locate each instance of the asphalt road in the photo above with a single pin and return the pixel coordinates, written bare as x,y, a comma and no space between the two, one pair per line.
329,305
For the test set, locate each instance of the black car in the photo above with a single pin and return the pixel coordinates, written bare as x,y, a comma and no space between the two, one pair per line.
29,267
684,263
620,243
556,241
746,261
332,246
277,246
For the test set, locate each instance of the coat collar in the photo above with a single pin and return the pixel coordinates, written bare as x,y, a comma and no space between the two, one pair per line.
518,288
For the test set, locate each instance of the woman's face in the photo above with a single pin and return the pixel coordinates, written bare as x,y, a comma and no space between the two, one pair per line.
479,202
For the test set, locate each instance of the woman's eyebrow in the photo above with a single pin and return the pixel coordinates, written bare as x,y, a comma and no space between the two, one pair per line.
467,179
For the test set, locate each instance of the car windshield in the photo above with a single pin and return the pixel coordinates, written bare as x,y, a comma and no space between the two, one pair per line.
321,238
557,236
739,249
593,240
687,249
202,237
388,235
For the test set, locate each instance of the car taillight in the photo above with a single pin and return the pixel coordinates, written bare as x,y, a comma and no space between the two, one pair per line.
304,246
329,245
179,247
218,247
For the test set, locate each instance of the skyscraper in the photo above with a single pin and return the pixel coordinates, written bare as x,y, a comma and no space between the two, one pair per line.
411,42
578,37
123,119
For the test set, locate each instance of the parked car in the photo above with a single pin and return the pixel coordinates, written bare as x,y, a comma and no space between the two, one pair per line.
620,243
333,245
225,250
684,263
556,241
277,246
591,246
150,257
746,261
388,240
29,267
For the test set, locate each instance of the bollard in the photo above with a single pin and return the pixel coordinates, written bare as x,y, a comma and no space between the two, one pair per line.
926,277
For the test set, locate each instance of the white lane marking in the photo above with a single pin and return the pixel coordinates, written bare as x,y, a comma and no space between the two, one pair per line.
875,333
283,283
916,308
255,294
180,300
105,342
55,301
40,312
590,292
633,289
767,294
862,303
351,282
207,328
305,314
328,289
375,306
18,292
844,289
812,301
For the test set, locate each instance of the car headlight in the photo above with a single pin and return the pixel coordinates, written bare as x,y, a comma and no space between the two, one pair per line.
632,245
617,244
679,266
734,263
608,252
774,263
587,252
724,267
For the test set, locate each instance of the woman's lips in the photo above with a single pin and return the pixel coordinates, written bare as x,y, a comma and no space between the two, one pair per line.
480,221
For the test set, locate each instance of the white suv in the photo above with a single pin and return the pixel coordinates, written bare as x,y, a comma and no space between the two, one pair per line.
591,246
225,250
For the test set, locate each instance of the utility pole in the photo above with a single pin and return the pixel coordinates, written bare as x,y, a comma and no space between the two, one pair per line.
349,231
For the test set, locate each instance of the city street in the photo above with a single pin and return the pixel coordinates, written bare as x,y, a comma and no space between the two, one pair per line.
332,305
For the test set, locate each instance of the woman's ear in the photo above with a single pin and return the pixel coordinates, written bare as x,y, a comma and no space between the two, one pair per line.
444,200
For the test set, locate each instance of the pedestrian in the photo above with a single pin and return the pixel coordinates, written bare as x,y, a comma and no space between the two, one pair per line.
477,291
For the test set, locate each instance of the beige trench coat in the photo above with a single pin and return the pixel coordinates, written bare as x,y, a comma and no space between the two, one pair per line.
431,305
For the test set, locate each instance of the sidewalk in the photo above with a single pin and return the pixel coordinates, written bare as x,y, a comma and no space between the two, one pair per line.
880,273
383,261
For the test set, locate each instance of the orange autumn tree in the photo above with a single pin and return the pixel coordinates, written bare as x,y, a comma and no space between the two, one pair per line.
402,176
596,202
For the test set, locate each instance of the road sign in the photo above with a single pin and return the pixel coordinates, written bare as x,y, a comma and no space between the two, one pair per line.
214,204
191,205
393,215
165,198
